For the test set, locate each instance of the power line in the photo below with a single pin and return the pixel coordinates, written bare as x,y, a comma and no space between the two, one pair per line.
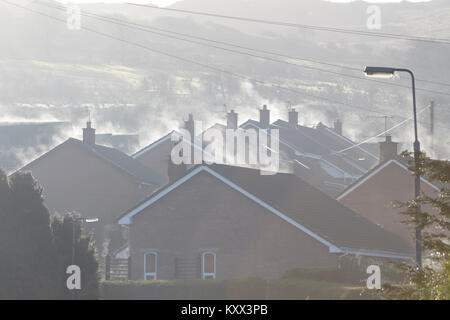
233,74
213,41
381,133
304,26
248,48
149,30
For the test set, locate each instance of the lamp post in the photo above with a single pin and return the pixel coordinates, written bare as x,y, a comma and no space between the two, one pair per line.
387,72
74,220
81,219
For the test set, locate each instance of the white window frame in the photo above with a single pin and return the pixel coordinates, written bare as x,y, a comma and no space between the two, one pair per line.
208,275
152,274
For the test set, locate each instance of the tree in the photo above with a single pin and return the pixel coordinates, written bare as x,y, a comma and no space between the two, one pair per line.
85,256
27,250
432,281
35,253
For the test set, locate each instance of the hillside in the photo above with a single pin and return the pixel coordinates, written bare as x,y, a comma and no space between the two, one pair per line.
50,72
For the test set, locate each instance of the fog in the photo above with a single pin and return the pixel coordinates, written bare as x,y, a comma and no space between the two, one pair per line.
51,73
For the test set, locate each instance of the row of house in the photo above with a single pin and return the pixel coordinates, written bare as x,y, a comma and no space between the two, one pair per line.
34,138
330,202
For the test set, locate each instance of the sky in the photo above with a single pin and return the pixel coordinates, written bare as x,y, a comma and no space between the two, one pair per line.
163,3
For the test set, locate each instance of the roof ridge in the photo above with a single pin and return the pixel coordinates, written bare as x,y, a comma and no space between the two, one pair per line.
374,171
299,219
99,155
150,146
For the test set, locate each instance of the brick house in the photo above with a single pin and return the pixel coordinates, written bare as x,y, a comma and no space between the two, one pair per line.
309,152
228,222
156,155
91,179
313,153
373,195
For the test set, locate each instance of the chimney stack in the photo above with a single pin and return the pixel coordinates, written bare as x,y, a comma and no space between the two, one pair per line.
293,117
338,126
388,149
232,120
189,125
264,116
89,134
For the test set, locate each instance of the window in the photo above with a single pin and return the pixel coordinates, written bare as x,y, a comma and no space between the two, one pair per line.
208,265
150,265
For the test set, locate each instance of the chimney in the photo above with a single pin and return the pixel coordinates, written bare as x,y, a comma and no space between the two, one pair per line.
293,117
189,125
338,126
89,134
232,120
264,116
388,149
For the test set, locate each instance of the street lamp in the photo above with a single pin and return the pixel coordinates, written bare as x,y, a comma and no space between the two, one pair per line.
387,72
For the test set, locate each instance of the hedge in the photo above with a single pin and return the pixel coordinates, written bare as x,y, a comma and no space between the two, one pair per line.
237,289
303,289
390,274
330,275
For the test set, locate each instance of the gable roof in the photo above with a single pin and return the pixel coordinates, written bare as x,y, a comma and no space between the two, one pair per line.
319,140
153,144
322,143
167,137
113,156
379,168
301,205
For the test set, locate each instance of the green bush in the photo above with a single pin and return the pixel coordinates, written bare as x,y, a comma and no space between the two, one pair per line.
240,289
236,289
331,275
303,289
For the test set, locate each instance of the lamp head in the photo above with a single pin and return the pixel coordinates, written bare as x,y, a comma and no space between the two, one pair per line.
379,72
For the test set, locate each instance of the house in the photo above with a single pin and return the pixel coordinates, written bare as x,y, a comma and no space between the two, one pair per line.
223,222
321,155
156,155
91,179
373,195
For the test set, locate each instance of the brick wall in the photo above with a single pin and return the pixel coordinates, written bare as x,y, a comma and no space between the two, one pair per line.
75,180
204,213
374,199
